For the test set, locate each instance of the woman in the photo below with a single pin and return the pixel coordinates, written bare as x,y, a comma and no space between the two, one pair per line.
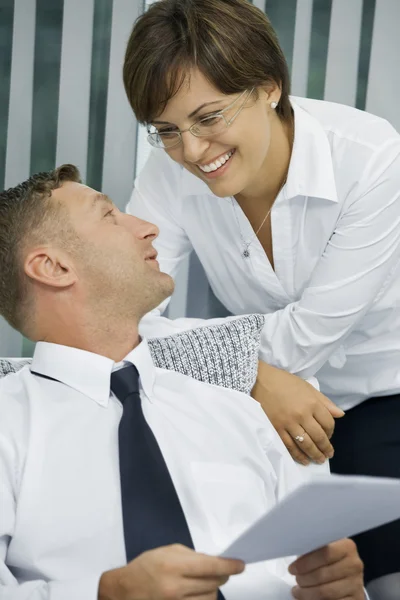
293,207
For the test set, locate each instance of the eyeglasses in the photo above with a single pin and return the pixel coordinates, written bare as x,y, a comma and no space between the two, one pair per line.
211,125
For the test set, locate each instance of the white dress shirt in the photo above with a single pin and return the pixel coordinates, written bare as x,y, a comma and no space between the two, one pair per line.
61,518
332,305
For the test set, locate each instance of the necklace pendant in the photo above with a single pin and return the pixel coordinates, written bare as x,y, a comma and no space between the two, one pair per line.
245,253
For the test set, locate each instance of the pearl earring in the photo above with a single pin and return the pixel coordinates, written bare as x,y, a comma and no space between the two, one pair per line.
274,105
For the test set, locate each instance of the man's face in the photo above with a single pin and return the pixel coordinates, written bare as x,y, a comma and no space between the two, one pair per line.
114,257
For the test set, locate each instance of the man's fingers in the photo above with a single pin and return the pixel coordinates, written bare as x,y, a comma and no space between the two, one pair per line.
214,567
200,587
337,590
210,596
296,452
325,556
334,572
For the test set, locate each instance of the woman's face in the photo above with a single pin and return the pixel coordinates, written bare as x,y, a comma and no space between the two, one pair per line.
243,145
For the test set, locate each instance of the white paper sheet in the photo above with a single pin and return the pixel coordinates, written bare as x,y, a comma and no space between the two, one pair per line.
318,512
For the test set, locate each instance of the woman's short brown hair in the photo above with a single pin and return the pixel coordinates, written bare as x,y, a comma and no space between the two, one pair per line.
231,41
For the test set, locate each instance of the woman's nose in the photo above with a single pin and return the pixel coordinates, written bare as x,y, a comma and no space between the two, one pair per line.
194,148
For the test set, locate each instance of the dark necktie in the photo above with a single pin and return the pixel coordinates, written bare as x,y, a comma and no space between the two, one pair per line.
152,513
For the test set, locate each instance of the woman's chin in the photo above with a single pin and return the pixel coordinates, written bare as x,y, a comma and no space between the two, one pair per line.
224,189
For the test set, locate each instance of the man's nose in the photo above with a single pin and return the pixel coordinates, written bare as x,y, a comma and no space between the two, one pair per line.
144,229
194,147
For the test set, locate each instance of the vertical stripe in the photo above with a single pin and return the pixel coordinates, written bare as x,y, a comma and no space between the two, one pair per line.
179,301
143,149
21,89
121,126
283,18
343,51
321,17
301,47
199,291
10,340
19,125
46,81
201,301
73,108
6,34
98,91
260,4
365,52
384,80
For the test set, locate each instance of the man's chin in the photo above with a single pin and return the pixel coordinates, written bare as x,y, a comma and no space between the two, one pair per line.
163,289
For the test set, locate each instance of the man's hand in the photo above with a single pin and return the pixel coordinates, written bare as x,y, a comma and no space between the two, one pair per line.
295,408
169,573
334,572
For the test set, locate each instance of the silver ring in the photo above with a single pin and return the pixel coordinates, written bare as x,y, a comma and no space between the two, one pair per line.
299,438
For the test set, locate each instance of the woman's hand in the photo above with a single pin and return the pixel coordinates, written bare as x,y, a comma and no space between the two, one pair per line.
334,572
296,409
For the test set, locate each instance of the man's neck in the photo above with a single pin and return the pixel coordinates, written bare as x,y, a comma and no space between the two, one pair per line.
113,339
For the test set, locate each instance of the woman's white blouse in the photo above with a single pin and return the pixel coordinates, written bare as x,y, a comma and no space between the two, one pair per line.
332,305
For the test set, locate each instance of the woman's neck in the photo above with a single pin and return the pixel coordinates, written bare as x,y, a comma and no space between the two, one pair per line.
273,173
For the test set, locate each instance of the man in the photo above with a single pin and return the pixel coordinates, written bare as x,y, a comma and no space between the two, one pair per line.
93,478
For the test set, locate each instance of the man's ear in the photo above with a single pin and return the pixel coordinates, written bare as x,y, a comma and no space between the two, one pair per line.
51,267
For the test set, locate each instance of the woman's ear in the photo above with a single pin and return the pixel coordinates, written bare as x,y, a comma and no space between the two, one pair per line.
272,92
50,266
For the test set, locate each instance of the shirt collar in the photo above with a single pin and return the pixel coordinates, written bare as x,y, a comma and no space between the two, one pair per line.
90,373
310,170
311,166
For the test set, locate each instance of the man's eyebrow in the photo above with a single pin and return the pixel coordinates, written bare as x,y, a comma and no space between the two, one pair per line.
192,114
101,198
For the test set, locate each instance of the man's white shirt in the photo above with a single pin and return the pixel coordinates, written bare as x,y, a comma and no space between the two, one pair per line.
332,304
61,518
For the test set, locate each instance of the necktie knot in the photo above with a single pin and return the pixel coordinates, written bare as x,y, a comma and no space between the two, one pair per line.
125,382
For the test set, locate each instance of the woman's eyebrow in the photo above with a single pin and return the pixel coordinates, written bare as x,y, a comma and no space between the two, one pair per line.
192,114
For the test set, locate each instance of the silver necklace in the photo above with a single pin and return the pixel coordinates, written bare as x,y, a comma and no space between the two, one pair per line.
246,251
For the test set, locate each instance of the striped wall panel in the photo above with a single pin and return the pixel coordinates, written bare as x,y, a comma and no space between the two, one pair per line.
62,98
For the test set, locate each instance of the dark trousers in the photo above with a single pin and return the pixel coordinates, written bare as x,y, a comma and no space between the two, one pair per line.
367,442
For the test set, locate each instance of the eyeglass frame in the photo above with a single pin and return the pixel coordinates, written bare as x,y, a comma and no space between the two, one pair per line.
219,113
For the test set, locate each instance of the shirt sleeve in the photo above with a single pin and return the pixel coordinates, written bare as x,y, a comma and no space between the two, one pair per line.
82,589
11,450
358,264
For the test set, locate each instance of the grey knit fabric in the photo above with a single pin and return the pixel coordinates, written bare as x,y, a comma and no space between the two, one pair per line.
224,355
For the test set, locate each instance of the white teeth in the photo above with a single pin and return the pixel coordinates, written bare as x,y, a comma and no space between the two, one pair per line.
217,164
